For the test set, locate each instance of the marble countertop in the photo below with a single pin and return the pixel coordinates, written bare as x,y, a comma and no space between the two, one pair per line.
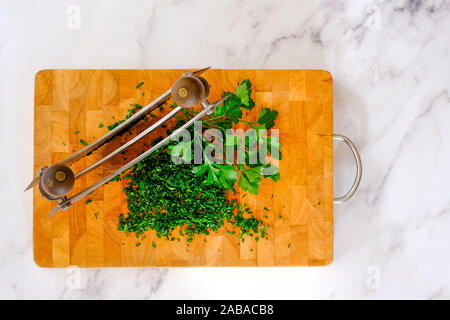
390,62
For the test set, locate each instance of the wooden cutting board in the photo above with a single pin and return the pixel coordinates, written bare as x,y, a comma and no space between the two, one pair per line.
67,101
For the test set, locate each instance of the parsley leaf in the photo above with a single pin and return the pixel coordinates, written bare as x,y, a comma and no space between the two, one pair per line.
182,150
228,177
139,84
209,168
267,117
244,91
242,94
250,179
230,108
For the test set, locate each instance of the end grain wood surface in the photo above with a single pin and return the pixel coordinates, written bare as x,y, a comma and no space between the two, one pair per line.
67,101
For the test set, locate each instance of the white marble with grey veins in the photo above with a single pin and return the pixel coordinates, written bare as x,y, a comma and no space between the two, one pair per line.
390,62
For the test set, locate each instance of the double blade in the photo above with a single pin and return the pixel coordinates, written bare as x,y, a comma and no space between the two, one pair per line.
67,202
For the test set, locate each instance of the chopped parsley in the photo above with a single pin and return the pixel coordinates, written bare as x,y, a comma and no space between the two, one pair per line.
193,200
139,85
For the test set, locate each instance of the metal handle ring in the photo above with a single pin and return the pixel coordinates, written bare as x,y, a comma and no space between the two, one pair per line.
358,169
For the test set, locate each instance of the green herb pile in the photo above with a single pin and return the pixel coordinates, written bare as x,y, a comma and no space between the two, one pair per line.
163,196
183,200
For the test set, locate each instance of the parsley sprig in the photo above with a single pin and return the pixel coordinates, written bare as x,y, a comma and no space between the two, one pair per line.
247,175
